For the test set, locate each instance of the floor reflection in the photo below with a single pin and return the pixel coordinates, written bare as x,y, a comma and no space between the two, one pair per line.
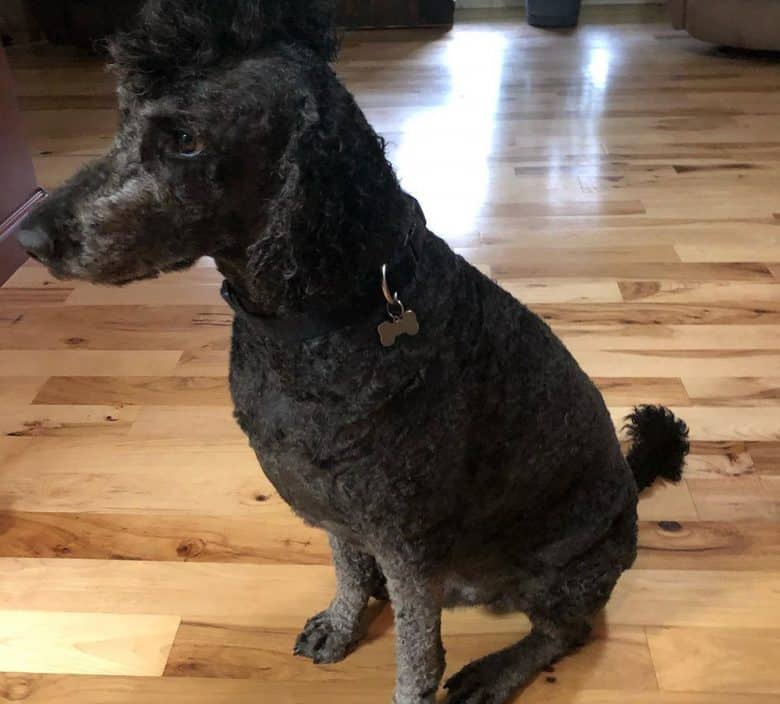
452,183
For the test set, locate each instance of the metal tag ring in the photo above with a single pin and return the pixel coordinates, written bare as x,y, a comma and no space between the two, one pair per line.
391,298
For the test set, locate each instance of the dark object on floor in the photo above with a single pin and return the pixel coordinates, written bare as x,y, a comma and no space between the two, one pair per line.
395,13
470,461
83,23
742,24
550,14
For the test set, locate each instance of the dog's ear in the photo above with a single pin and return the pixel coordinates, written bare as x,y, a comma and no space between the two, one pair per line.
185,37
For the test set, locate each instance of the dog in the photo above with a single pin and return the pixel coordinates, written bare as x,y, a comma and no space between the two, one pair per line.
436,429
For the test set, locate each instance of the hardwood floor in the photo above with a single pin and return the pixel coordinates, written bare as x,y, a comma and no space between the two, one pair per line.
621,179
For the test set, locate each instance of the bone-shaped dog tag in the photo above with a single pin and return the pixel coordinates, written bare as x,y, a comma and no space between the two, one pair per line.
404,324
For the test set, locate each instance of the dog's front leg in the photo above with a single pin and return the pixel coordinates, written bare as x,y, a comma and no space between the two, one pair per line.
328,636
419,651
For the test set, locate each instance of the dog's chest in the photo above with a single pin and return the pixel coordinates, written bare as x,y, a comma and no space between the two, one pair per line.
314,425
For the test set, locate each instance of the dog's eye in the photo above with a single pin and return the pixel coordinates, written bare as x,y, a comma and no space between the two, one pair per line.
187,143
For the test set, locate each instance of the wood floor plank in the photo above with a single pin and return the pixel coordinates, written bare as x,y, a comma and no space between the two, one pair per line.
709,545
18,420
721,423
283,596
766,457
701,292
716,660
87,363
735,252
20,390
624,391
667,502
280,539
86,644
733,499
196,422
515,266
19,299
715,460
112,474
733,391
683,363
147,293
119,327
159,391
621,661
671,337
554,291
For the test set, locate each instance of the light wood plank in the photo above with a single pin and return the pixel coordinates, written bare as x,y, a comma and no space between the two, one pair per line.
148,293
684,363
275,539
160,391
716,660
150,476
709,545
18,420
86,644
87,363
734,391
719,423
283,596
708,292
551,291
733,499
671,337
735,252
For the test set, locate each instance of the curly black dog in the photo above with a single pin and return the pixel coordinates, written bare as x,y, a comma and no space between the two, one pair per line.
470,461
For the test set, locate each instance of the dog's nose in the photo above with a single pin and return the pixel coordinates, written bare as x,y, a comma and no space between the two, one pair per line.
36,242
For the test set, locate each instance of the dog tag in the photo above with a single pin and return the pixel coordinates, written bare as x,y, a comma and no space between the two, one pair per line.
404,324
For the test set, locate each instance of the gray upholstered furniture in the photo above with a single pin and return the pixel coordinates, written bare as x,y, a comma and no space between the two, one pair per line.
745,24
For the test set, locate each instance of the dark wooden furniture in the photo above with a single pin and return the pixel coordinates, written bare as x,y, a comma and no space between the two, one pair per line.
396,13
18,192
83,22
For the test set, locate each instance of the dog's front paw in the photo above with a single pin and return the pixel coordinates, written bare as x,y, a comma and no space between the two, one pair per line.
322,642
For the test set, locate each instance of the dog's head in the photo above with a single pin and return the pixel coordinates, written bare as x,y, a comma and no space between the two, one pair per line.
214,98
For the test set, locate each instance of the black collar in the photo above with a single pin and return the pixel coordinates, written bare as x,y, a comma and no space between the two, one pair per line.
401,273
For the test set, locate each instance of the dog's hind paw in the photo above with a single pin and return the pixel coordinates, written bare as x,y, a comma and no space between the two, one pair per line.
322,642
477,684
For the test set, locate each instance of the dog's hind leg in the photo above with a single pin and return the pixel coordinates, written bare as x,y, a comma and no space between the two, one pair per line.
329,636
560,612
493,679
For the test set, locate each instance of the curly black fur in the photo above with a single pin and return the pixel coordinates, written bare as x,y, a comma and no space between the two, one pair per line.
659,445
475,463
180,40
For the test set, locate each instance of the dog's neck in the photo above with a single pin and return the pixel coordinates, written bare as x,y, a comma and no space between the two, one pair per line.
356,272
337,217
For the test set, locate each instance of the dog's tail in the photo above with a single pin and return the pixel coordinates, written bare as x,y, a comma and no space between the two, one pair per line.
659,445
